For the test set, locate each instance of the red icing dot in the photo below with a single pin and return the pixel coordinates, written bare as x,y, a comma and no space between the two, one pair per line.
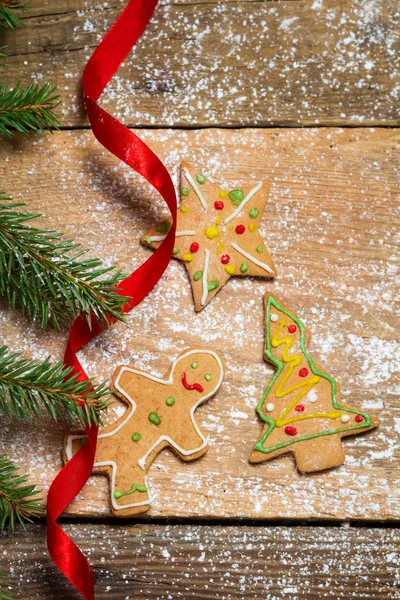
240,229
359,418
300,408
225,258
292,328
218,205
290,430
303,372
194,247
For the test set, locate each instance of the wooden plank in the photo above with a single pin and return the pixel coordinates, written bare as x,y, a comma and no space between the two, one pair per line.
233,63
331,226
204,562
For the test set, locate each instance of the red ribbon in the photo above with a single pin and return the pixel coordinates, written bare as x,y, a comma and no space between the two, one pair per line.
124,144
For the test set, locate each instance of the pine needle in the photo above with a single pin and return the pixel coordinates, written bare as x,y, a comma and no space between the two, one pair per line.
8,18
2,64
41,273
27,388
18,502
3,593
28,110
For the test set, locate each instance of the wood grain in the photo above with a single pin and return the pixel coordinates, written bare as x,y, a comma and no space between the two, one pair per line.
331,225
205,562
232,63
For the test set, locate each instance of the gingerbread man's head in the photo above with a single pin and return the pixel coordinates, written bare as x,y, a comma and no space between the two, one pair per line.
199,372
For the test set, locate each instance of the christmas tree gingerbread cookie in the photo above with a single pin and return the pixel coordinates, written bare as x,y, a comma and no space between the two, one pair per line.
217,233
160,414
301,406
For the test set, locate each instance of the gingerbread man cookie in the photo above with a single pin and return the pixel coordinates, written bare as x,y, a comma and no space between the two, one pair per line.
160,414
301,406
217,233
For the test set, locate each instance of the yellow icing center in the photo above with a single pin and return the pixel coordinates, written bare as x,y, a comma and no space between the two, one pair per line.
212,232
222,194
230,269
184,208
187,257
252,227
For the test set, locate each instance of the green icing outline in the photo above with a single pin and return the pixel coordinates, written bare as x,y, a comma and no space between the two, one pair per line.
280,365
135,488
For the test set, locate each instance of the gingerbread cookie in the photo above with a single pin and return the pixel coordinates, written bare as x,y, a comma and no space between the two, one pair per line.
160,414
301,406
217,233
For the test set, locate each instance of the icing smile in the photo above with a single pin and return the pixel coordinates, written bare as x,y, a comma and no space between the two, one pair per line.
191,386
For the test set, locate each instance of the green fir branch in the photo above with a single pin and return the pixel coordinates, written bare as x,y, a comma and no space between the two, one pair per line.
19,503
3,594
8,16
28,110
27,388
41,273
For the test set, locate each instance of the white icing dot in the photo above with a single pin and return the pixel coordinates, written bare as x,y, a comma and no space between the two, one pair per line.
270,407
312,396
274,318
345,418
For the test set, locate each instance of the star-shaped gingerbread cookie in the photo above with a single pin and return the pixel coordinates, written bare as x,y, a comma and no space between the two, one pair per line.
217,233
160,414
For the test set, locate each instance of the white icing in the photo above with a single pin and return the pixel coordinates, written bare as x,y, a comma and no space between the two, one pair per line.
195,187
204,278
160,238
274,318
345,418
243,203
251,258
270,407
312,396
142,461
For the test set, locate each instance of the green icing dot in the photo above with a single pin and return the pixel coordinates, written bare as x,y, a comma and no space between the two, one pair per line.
170,401
198,275
185,191
207,377
136,436
236,196
154,418
195,364
244,267
259,249
253,214
164,227
148,240
175,251
212,285
200,178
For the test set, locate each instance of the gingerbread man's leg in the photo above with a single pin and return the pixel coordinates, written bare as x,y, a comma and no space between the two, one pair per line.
129,488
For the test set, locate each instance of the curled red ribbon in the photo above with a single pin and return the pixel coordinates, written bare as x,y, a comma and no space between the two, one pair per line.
124,144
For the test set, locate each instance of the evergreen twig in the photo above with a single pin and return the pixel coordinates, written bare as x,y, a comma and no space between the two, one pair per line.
43,275
28,110
19,503
8,17
27,387
3,593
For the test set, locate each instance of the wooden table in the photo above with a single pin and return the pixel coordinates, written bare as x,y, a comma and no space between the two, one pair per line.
304,94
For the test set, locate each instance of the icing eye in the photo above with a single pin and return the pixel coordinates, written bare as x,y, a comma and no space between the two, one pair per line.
207,377
195,364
